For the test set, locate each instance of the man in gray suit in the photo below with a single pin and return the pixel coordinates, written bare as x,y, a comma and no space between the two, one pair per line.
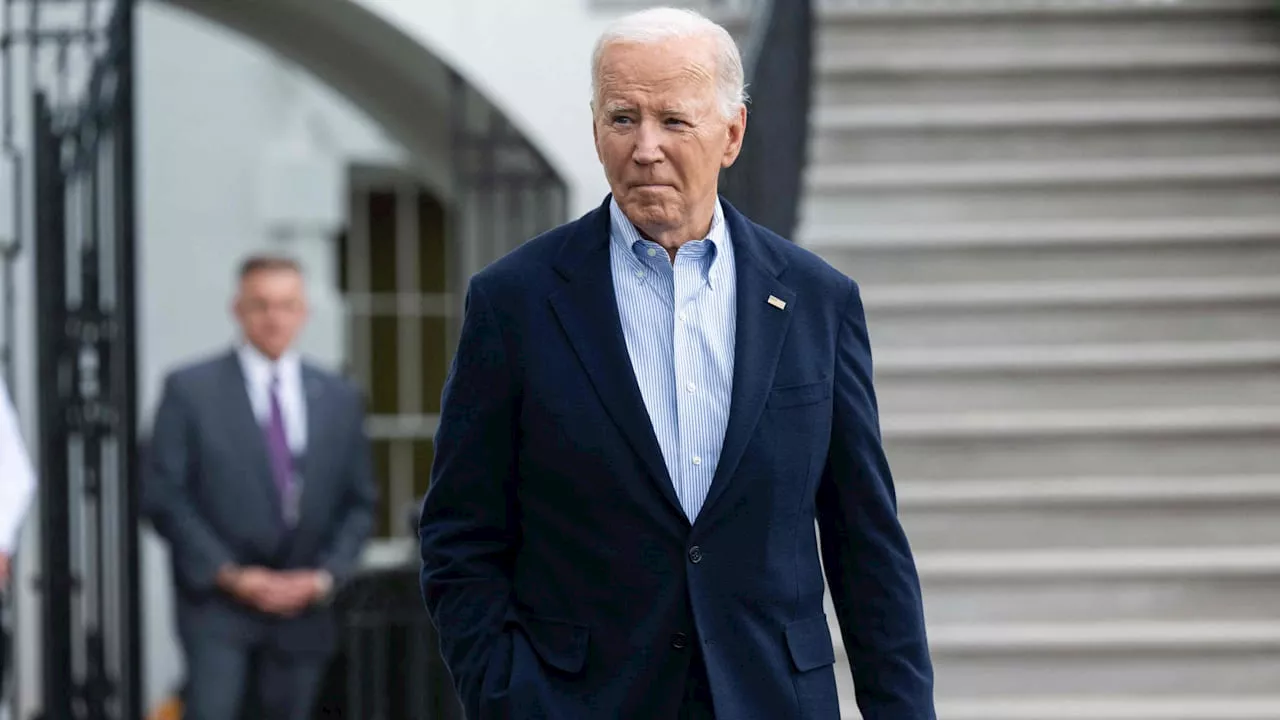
259,477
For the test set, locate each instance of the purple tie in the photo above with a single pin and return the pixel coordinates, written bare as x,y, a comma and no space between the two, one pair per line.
278,447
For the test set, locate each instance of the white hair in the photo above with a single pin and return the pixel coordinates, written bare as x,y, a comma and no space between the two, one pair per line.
664,23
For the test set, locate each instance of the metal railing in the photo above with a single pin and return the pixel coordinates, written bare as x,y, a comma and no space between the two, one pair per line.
389,667
767,180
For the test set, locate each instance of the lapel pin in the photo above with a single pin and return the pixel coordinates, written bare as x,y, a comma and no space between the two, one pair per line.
781,305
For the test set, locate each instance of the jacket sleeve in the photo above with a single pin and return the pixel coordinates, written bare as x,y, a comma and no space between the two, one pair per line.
359,501
468,528
873,580
166,497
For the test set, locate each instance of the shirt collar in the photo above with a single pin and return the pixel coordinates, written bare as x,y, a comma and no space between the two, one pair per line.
259,368
625,234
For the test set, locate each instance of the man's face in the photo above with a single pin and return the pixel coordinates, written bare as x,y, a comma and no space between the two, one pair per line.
271,307
660,133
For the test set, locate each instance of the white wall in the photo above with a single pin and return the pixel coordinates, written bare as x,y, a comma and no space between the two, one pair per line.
223,125
531,59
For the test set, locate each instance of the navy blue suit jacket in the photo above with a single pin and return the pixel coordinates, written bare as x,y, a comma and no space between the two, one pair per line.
561,573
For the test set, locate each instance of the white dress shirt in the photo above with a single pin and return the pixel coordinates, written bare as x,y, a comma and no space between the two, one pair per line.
680,320
17,477
258,369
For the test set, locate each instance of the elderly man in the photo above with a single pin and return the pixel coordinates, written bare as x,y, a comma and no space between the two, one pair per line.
648,409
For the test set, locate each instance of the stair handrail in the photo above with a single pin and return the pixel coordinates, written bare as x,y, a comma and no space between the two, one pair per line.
768,177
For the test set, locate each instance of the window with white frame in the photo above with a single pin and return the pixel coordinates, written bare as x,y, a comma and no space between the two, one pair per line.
394,275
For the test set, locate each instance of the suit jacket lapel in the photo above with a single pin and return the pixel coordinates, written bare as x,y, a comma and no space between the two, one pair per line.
244,426
588,311
761,329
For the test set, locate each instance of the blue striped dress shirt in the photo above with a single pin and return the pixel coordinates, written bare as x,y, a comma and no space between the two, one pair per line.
679,319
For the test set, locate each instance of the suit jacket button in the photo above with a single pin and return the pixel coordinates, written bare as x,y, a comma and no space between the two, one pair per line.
679,641
695,554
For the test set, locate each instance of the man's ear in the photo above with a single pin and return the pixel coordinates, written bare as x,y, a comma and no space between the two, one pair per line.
737,130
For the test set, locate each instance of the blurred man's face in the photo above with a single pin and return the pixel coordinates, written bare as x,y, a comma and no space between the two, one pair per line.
661,136
271,307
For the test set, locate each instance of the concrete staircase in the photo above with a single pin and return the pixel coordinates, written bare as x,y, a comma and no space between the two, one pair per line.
1065,216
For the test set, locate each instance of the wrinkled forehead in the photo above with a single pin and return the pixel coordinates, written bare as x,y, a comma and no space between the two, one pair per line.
680,70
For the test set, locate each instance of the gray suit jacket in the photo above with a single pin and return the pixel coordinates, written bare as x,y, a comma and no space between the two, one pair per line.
208,490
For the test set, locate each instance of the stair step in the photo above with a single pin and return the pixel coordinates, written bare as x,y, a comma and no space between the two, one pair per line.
1067,599
1146,517
1212,131
1030,660
958,26
1078,377
1163,441
1075,585
1050,174
929,77
1027,294
1060,114
1071,250
1075,707
1008,236
1015,359
1104,636
1083,389
1085,492
1086,585
1236,658
1040,59
1211,193
1088,423
1106,564
988,9
1071,313
1091,513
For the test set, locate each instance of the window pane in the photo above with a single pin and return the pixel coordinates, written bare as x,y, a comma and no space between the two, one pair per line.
382,242
431,254
343,269
424,452
435,359
385,364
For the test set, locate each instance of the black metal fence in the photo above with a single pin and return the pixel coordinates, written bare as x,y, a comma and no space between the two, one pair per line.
84,233
389,667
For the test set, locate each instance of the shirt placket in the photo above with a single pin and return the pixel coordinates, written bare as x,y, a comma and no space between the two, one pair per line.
689,379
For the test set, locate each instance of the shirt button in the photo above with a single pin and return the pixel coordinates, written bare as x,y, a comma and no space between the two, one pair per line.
695,554
681,316
690,387
679,641
639,273
697,459
652,252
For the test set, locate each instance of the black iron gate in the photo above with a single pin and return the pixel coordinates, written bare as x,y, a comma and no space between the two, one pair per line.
84,230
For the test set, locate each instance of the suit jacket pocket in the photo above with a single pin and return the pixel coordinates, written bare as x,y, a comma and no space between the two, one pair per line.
809,641
560,644
796,395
